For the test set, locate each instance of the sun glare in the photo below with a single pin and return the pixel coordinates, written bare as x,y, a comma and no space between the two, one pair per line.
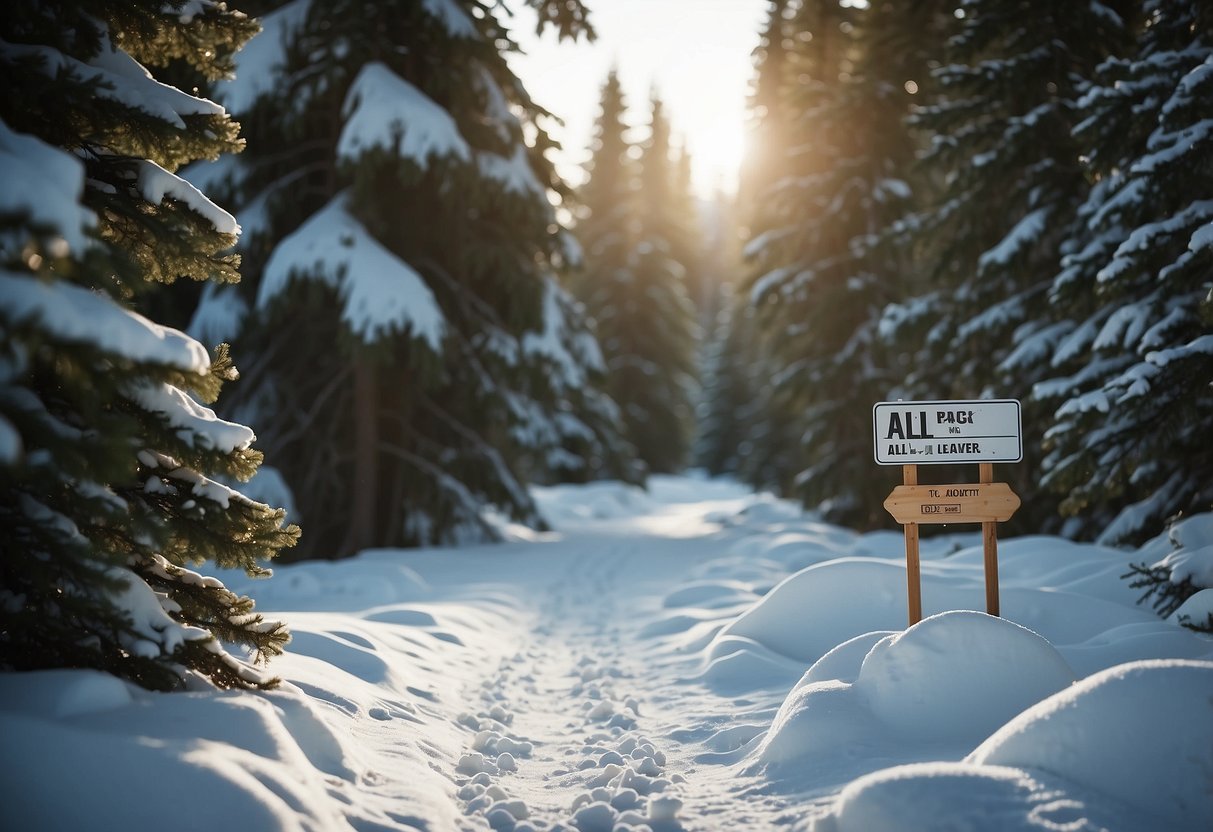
694,53
716,156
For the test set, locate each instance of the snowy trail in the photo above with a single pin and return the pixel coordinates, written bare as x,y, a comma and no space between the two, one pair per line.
694,657
579,716
604,715
577,694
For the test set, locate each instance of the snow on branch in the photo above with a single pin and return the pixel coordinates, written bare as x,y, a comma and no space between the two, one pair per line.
453,19
385,111
551,343
259,63
197,425
380,293
77,315
1025,234
45,184
515,173
120,78
155,183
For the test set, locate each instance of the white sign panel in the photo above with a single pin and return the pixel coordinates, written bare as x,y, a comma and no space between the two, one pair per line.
932,433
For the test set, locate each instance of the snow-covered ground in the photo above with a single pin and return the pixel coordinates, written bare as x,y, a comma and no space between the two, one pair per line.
694,657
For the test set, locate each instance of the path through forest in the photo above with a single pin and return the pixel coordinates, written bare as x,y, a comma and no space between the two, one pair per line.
594,722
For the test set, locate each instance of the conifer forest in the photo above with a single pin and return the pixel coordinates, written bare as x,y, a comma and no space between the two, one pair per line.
301,279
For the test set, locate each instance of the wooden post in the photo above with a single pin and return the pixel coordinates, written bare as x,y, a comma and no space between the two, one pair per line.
989,542
909,475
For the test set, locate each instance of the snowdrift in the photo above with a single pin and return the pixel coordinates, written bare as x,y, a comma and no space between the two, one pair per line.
693,656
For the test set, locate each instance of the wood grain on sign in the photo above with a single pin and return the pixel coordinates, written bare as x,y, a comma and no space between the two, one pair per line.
954,503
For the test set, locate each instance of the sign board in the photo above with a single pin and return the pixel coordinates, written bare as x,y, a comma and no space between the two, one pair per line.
933,433
992,502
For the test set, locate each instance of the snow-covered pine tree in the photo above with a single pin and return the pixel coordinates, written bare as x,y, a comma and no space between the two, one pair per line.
823,276
1130,446
746,430
996,126
416,354
632,283
106,496
723,441
653,379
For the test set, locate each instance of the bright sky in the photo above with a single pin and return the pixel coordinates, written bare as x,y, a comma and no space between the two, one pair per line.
695,52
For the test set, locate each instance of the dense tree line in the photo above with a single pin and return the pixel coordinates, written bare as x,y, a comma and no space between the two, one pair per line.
638,229
417,358
983,199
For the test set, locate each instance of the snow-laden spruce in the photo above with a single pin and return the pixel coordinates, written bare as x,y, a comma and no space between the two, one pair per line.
111,458
404,261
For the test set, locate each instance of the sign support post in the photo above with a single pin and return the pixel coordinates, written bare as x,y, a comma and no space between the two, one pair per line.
989,545
910,434
909,476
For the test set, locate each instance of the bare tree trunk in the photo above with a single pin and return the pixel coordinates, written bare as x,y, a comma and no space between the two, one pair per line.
364,496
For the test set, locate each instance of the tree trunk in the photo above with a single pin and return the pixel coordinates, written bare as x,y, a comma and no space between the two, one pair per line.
364,496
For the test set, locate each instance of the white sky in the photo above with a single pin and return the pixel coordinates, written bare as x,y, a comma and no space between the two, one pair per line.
695,52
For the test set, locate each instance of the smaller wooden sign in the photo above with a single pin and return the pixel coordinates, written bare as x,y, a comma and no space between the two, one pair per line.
992,502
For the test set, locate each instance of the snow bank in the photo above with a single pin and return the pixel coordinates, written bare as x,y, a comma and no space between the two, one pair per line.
828,603
564,505
949,680
1139,731
1126,749
930,797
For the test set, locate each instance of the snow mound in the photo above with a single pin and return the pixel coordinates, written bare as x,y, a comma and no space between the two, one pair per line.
1139,731
928,797
326,585
959,675
952,679
565,505
809,613
813,610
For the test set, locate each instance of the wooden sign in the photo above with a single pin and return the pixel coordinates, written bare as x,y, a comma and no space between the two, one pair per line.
993,502
910,434
939,432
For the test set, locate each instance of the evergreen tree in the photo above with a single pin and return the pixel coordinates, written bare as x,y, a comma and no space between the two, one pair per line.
632,284
107,496
824,273
748,429
723,441
999,149
1129,447
400,214
656,384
